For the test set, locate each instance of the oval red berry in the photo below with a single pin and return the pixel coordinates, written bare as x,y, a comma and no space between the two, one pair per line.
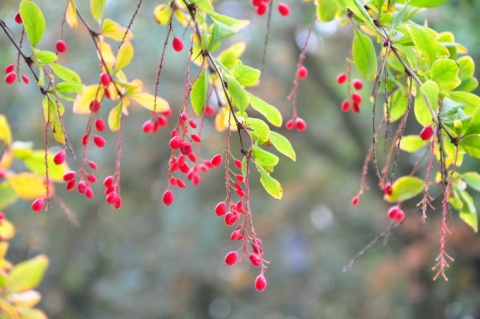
177,44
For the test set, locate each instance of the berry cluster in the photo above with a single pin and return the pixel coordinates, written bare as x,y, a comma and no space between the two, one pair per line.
156,122
11,75
355,99
396,213
261,7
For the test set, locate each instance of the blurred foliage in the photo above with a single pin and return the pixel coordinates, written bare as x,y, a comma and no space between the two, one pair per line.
148,261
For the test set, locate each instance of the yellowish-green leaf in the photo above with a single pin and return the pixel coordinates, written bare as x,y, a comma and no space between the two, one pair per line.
282,144
264,158
231,22
88,94
231,54
326,10
7,195
271,113
115,118
71,14
29,186
7,231
422,111
36,163
471,145
124,56
97,7
162,13
472,179
406,187
470,219
65,73
107,54
445,74
412,143
114,31
271,185
151,102
198,96
28,274
364,55
398,105
245,75
5,132
237,93
424,42
33,21
259,127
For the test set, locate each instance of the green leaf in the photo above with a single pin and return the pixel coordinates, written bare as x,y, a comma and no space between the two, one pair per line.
470,219
364,55
421,110
466,67
271,113
424,43
259,127
245,75
282,144
468,204
270,184
204,5
326,10
44,57
231,22
27,274
412,143
431,92
426,3
65,87
33,21
237,93
115,118
358,9
474,126
445,74
471,145
66,74
7,195
220,32
470,100
113,30
398,106
97,7
404,188
472,179
264,158
198,96
231,54
35,162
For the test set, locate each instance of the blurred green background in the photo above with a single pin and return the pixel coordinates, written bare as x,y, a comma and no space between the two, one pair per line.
152,261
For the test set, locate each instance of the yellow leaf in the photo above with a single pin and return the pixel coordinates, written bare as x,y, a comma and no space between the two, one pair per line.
113,30
5,133
71,14
7,309
6,160
84,98
162,13
151,102
133,87
7,231
222,118
124,56
29,186
107,53
97,7
115,118
27,274
3,249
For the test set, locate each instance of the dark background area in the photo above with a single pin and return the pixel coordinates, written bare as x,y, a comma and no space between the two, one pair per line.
151,261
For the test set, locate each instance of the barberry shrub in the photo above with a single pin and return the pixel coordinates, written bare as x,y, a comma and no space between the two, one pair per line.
414,71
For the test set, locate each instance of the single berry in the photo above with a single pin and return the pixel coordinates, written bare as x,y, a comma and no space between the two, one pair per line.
175,142
10,78
82,187
396,213
18,18
108,181
256,3
231,218
100,125
345,105
283,9
426,133
209,110
355,201
260,283
357,98
105,79
290,124
387,190
69,176
300,124
38,204
196,138
147,127
94,106
168,197
236,234
255,260
341,78
186,148
25,79
261,9
221,209
61,46
92,165
216,160
99,141
89,193
356,107
9,68
91,178
59,157
111,198
70,185
238,163
161,121
302,72
231,258
85,139
357,84
177,44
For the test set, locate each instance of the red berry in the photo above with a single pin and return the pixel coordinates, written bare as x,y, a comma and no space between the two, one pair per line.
111,198
180,183
18,18
175,142
356,107
100,125
356,98
186,148
290,124
283,9
108,181
91,178
345,105
221,209
238,163
196,138
396,213
387,190
71,185
105,79
59,157
168,197
147,127
341,78
216,160
260,283
2,215
9,68
118,203
209,110
38,204
25,79
61,46
68,176
85,139
256,3
89,193
231,218
99,141
177,44
426,133
231,258
261,9
300,124
10,78
82,187
255,260
357,84
94,106
92,165
302,72
355,201
162,121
